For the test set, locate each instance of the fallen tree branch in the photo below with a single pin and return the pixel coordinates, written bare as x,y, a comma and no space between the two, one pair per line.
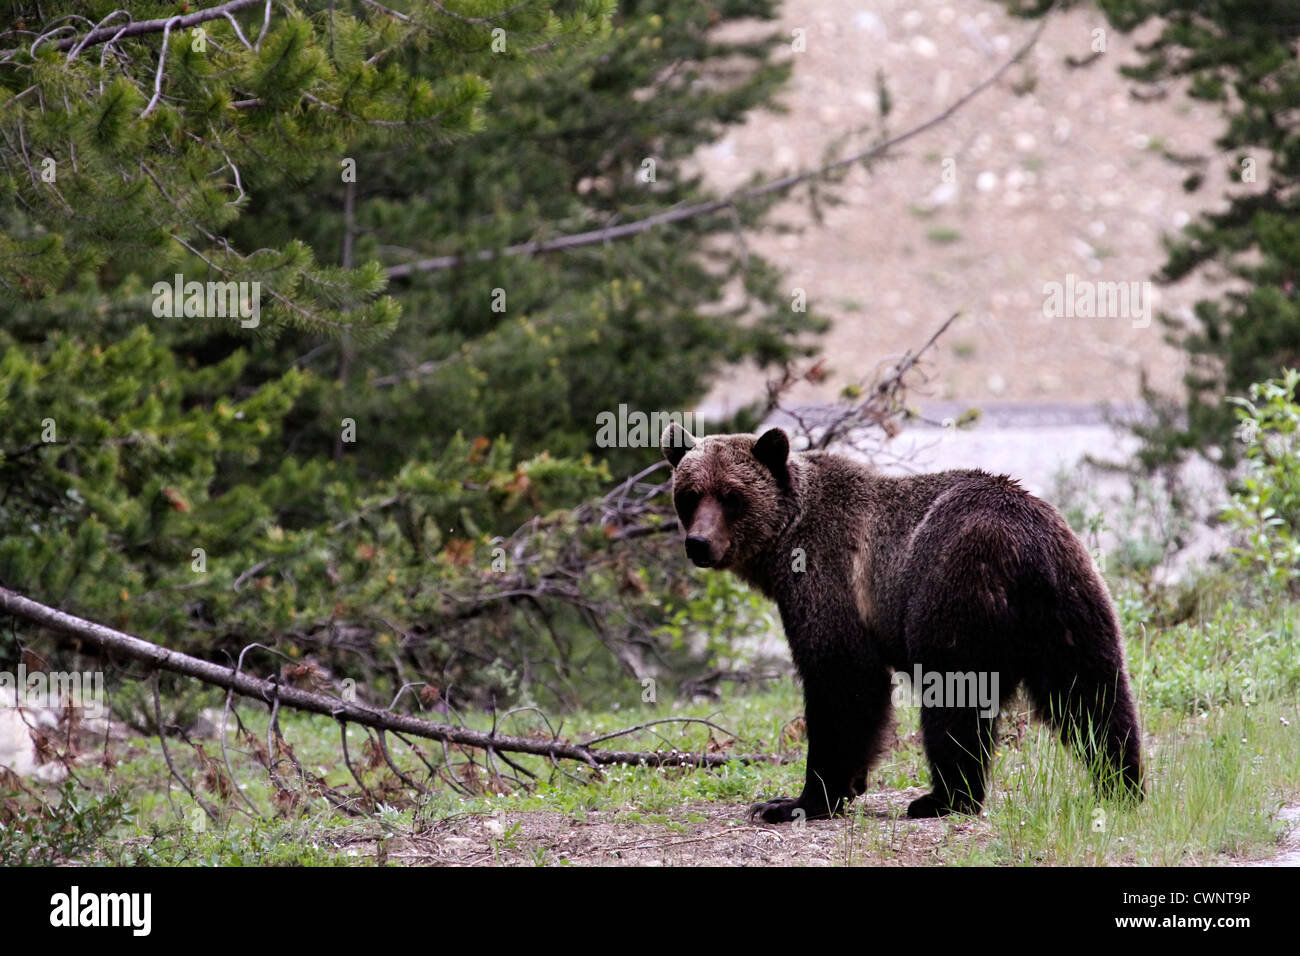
269,692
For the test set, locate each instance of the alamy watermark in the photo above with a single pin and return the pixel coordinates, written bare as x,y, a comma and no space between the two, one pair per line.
924,688
637,429
55,690
179,299
133,911
1086,299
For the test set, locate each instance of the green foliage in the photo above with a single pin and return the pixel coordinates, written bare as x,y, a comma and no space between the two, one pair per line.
1234,655
34,832
153,144
336,479
722,614
535,347
1265,506
264,843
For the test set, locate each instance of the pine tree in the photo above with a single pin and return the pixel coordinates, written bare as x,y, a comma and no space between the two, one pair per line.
130,140
336,475
1242,55
534,347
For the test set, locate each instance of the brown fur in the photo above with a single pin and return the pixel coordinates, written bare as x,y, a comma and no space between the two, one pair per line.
960,571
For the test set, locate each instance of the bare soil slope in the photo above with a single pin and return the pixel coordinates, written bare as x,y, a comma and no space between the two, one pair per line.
1056,170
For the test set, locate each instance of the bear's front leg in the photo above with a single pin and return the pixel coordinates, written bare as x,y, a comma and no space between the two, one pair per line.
846,710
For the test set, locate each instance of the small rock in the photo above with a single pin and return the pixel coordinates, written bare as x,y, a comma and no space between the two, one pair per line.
944,193
924,47
870,22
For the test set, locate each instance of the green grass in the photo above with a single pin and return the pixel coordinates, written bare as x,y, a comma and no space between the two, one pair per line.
1214,786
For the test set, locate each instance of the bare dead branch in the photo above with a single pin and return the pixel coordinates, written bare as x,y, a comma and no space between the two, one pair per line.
152,26
162,658
167,757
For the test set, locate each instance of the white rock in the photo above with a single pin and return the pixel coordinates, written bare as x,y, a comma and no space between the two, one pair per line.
986,181
17,749
868,100
868,21
944,193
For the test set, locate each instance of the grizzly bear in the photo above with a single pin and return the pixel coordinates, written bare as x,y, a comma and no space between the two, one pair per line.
960,572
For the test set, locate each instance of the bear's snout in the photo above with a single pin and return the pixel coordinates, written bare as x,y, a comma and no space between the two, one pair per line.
699,549
707,539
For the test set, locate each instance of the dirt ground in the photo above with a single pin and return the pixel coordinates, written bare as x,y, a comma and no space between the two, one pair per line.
710,835
702,835
1056,170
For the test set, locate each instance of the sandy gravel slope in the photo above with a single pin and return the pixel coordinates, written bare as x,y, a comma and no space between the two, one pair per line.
1054,171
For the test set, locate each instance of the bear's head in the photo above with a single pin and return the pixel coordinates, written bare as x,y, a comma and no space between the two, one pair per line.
732,493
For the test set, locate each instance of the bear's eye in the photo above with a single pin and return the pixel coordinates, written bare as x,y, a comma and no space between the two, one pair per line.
686,501
732,501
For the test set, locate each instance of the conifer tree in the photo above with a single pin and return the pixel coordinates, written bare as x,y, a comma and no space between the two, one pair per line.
334,474
1240,54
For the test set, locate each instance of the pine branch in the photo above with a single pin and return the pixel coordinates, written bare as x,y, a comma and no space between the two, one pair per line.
591,237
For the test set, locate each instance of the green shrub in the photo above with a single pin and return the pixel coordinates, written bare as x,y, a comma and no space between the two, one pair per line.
58,832
1265,507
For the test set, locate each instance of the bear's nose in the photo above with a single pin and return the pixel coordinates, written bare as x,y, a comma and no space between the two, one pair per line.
697,549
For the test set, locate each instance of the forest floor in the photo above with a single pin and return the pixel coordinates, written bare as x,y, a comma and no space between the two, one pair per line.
1223,786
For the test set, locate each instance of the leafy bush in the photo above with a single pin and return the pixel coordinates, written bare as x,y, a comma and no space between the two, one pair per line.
55,833
1237,655
1265,508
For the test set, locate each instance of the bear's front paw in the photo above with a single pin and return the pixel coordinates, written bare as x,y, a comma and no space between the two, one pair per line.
780,810
785,810
932,805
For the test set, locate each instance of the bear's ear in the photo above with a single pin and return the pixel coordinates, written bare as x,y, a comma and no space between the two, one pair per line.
676,442
773,451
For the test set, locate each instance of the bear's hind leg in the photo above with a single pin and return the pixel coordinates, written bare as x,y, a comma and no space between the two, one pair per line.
1096,717
959,745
